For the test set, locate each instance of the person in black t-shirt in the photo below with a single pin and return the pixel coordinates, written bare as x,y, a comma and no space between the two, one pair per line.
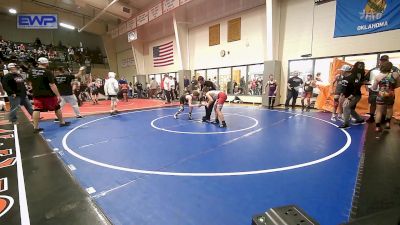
64,84
139,89
351,89
45,94
14,85
176,87
206,86
294,84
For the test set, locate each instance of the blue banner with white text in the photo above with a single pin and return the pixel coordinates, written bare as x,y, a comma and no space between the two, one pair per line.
357,17
37,21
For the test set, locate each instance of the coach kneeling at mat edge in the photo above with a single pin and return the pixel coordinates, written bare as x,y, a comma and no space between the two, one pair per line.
14,85
45,94
206,86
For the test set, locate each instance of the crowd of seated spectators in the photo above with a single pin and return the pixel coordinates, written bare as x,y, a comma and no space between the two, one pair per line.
30,52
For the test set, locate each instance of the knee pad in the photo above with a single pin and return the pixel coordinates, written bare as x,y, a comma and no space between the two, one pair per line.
58,107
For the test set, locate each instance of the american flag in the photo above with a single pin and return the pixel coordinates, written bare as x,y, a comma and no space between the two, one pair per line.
163,55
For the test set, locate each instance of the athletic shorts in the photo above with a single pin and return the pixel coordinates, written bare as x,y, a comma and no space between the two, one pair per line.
182,100
44,104
372,97
112,97
95,92
307,94
221,98
385,98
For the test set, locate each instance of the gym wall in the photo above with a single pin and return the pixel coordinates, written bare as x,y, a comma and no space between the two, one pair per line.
148,57
126,65
248,50
296,35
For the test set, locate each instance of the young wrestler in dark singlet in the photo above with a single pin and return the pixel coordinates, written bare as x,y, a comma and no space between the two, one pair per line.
187,99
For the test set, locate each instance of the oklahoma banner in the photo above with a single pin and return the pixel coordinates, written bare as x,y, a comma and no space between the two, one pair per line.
357,17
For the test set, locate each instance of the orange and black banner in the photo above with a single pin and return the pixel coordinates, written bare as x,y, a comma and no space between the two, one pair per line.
9,197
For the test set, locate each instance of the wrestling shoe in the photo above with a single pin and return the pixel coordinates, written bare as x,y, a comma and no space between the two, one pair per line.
359,122
223,125
371,119
35,131
176,115
387,125
344,126
190,117
215,121
204,119
65,124
333,118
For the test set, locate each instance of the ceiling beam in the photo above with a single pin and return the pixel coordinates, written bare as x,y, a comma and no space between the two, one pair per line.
98,15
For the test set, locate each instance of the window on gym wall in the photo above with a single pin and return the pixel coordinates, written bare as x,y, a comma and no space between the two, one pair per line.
304,67
394,58
200,73
255,79
174,75
323,66
157,77
151,76
369,60
239,80
224,80
212,75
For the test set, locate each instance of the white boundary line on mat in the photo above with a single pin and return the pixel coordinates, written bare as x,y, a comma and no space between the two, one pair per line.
238,173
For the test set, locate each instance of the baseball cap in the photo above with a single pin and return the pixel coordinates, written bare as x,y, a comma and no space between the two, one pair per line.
11,65
384,58
346,68
43,60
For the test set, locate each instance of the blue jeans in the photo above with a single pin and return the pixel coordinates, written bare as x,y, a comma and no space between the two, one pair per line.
15,103
350,110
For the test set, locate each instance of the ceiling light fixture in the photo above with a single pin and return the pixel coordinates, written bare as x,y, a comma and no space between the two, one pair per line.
12,11
67,26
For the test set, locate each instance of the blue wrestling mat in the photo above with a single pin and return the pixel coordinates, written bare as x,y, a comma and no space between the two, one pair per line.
146,168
